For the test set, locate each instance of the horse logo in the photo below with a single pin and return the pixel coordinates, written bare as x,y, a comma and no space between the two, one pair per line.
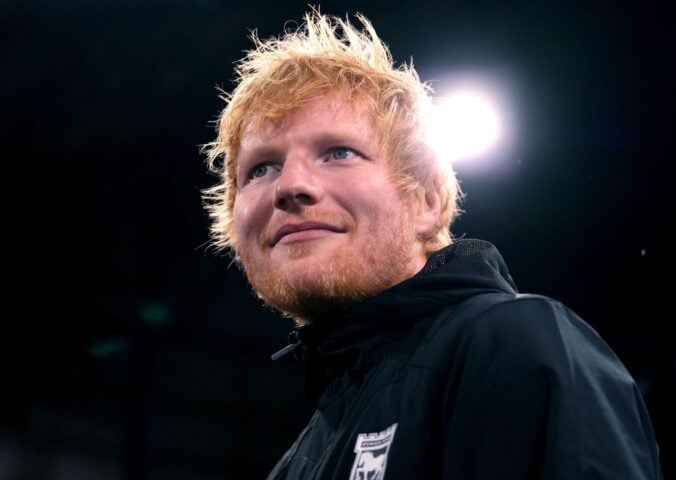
371,451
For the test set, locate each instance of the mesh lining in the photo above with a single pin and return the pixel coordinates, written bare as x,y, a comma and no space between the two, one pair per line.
476,261
460,248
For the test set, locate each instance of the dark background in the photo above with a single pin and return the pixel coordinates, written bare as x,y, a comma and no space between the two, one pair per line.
132,352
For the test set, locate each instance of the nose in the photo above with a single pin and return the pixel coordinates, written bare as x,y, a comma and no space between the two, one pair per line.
297,185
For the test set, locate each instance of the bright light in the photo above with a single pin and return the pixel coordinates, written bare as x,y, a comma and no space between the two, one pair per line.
465,124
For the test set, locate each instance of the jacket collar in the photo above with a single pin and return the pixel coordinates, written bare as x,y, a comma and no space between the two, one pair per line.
354,342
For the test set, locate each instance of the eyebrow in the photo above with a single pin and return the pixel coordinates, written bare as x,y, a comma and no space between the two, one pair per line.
257,151
263,149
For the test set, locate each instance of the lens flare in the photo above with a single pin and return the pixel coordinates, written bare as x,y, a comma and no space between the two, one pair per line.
464,125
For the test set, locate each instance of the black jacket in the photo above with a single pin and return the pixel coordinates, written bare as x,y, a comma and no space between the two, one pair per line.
453,375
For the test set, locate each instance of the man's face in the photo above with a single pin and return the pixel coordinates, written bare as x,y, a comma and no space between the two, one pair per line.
320,223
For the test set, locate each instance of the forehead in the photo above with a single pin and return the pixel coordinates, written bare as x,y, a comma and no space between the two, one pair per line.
327,115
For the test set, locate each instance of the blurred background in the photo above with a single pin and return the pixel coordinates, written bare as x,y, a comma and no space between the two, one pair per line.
131,351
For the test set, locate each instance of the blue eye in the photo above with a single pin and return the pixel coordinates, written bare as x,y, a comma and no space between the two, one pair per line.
259,170
340,153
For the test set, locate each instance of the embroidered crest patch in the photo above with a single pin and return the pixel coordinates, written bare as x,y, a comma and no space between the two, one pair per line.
371,454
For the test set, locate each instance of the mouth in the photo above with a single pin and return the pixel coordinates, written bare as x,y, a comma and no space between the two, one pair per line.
304,231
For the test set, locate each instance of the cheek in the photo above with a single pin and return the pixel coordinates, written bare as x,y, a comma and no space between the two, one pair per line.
251,213
379,198
243,217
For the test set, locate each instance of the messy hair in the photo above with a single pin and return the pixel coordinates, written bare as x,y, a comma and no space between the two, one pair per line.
328,55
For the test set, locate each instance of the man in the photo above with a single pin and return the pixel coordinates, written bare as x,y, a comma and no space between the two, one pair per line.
421,358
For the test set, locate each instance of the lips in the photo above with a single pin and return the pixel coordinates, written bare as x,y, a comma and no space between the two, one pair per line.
289,228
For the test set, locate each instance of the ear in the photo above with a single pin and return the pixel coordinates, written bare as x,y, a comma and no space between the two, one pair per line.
428,215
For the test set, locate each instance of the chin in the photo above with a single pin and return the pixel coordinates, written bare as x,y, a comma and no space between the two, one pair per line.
310,290
310,280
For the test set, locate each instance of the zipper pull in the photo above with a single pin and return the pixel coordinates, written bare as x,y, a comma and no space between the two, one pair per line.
289,348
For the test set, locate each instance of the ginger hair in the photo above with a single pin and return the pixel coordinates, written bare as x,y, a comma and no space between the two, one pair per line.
328,55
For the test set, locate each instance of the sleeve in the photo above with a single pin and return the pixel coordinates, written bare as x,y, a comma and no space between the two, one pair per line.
535,393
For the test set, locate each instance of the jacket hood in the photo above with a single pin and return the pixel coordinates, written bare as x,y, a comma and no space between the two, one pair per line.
459,271
357,339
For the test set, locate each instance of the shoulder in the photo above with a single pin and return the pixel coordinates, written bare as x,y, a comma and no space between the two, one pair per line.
513,316
528,324
525,381
515,332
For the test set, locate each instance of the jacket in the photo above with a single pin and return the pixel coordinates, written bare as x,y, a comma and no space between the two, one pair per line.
452,374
